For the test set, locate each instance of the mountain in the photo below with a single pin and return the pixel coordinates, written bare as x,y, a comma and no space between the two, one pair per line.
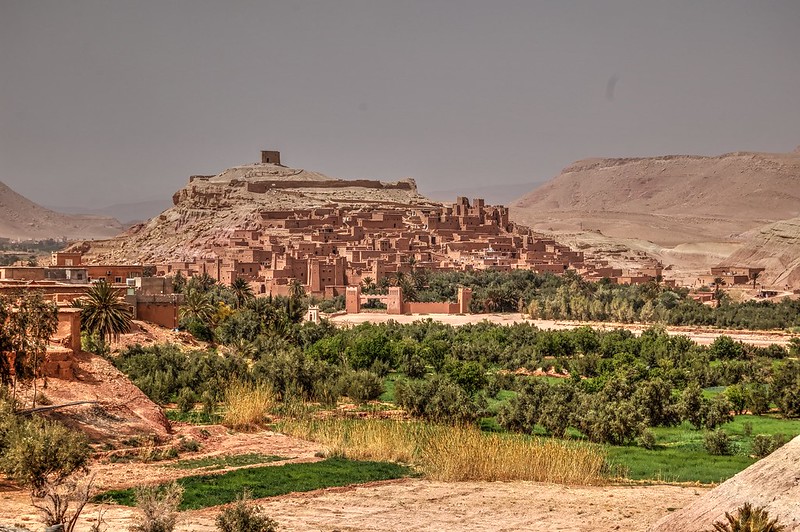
668,200
127,213
690,212
22,219
209,209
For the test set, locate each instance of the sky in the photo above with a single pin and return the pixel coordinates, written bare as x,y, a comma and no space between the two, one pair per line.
109,101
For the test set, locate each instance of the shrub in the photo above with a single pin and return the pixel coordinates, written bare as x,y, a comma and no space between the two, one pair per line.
749,519
158,506
436,399
245,517
361,386
747,428
764,444
40,451
717,442
186,400
647,439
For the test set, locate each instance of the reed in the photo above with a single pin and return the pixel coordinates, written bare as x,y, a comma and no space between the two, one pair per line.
449,453
247,406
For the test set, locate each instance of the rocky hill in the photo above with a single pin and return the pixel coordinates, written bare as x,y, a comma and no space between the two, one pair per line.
777,248
668,200
207,211
689,211
22,219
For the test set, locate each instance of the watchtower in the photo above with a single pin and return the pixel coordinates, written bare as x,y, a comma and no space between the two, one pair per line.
270,157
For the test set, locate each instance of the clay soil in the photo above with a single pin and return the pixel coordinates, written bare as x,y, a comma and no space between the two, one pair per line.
407,504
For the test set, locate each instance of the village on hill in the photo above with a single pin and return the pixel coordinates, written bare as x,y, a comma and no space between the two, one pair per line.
338,248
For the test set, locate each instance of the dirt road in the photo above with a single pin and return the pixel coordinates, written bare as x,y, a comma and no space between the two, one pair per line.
704,336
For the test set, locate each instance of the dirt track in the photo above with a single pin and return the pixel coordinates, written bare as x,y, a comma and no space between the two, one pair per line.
704,336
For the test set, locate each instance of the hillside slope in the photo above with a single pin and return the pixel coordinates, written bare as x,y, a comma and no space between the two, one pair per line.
22,219
667,200
777,248
772,482
207,211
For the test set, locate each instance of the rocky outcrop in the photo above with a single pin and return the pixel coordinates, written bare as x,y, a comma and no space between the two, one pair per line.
773,482
22,219
776,247
207,211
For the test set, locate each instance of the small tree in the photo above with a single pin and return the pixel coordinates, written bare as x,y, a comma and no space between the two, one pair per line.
28,332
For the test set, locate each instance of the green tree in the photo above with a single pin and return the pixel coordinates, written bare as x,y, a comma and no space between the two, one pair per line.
242,291
39,451
197,306
28,330
104,313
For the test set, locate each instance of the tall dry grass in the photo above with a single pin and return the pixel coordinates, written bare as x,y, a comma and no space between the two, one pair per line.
455,453
247,406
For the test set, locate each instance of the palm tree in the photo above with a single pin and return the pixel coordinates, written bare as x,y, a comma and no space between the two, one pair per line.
197,306
104,312
296,290
754,277
242,291
369,284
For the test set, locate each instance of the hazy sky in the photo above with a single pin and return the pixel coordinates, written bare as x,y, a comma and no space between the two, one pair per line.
106,101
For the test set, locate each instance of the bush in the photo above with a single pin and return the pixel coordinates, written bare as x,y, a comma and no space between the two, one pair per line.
159,508
245,517
749,519
186,400
647,439
764,444
361,386
717,442
40,451
436,399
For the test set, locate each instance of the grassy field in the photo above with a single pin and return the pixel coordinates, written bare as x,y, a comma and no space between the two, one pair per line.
221,462
679,455
211,490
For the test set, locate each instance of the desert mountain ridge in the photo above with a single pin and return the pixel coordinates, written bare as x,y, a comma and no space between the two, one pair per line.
22,219
690,211
207,211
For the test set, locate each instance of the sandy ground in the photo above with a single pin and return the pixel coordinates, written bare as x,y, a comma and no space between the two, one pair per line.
704,336
406,504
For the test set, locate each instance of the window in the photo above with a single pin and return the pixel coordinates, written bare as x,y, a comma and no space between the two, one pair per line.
117,279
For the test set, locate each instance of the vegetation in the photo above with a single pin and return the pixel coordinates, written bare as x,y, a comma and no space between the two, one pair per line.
455,453
244,516
104,313
749,519
247,406
212,490
158,506
26,325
